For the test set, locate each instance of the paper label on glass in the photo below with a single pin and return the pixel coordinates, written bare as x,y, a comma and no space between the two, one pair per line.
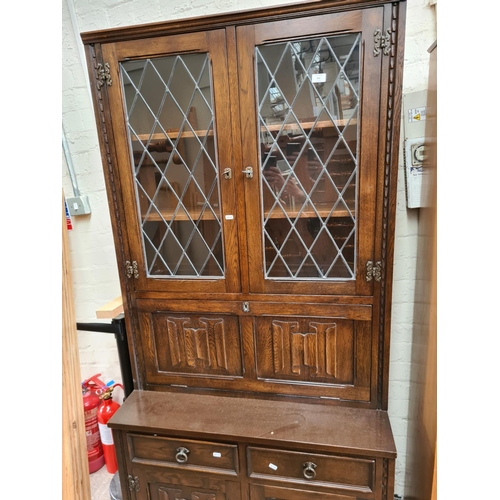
318,78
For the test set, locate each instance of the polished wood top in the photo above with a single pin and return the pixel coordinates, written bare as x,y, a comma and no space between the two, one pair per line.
258,421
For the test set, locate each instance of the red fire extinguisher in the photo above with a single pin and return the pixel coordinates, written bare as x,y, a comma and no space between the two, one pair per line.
106,411
91,402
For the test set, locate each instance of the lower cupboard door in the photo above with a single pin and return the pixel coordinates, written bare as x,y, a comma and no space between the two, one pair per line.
266,492
152,484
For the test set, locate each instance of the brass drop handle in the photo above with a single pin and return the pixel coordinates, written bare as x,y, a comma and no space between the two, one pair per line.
182,455
248,172
309,472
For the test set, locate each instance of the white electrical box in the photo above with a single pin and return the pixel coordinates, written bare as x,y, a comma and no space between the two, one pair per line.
79,205
414,116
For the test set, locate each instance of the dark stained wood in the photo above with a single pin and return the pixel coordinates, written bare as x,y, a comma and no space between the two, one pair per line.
248,37
164,452
330,470
353,450
166,297
223,116
362,312
235,80
278,30
264,491
156,483
122,458
212,43
114,195
257,421
390,106
248,373
324,354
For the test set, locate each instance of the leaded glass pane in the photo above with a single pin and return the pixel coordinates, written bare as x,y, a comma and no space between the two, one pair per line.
171,130
308,106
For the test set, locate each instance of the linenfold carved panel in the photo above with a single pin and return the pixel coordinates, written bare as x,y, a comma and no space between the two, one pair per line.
307,349
304,347
196,343
206,342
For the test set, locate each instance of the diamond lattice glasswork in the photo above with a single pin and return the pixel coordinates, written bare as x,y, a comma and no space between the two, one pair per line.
171,131
308,105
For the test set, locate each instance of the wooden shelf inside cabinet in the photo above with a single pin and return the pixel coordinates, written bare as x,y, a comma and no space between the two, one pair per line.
275,127
174,135
167,215
306,214
325,125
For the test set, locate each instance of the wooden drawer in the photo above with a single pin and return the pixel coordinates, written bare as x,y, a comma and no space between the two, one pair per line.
321,470
170,452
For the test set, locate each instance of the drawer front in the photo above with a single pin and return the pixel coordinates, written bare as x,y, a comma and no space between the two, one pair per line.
182,452
319,469
268,492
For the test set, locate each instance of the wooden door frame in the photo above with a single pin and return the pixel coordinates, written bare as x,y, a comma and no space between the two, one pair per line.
75,467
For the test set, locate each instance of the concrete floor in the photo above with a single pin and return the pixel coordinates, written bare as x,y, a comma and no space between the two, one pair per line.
99,484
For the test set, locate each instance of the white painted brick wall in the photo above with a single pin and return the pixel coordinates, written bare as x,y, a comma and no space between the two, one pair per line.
92,251
420,34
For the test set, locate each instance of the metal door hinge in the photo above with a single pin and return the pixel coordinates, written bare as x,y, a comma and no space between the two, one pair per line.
373,271
103,75
133,483
131,269
382,42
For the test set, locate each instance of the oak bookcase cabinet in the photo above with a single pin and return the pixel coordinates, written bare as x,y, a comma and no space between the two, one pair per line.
250,162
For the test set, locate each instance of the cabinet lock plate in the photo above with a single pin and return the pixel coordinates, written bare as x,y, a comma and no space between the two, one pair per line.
248,172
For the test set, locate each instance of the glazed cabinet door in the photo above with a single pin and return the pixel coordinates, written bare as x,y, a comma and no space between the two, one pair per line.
310,139
174,155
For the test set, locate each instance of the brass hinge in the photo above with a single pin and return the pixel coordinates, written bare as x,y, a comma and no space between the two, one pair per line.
382,42
103,75
131,269
133,483
373,271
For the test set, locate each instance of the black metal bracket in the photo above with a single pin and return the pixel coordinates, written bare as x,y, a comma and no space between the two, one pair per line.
116,327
